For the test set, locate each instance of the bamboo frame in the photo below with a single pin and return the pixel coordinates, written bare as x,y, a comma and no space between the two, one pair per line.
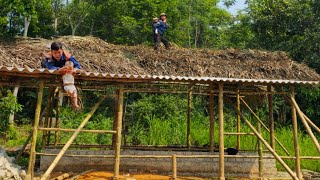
238,119
189,117
315,127
263,125
271,118
295,134
286,167
118,134
59,104
260,153
174,167
32,158
47,114
211,116
221,133
66,146
305,123
237,134
82,130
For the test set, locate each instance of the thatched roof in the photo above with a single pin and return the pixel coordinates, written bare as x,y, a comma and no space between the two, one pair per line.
96,55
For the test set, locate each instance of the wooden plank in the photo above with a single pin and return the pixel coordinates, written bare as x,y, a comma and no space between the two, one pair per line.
32,158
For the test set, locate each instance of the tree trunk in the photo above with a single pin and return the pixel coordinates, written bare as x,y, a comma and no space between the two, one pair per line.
27,20
11,117
56,25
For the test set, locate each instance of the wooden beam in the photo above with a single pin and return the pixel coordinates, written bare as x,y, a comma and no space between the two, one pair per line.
305,124
174,167
211,113
295,134
47,114
260,153
58,111
82,130
221,133
189,117
32,157
118,134
264,126
66,146
238,119
315,127
271,118
115,118
271,150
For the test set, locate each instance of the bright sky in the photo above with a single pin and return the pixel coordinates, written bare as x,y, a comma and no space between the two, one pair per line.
239,5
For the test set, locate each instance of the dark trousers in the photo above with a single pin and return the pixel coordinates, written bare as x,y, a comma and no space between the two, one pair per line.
158,39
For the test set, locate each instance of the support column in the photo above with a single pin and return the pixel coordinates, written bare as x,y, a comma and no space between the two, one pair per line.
221,133
47,115
271,118
32,156
295,134
59,104
189,118
260,152
211,112
118,135
115,118
238,119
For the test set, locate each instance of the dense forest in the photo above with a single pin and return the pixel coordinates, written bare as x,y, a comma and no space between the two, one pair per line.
292,26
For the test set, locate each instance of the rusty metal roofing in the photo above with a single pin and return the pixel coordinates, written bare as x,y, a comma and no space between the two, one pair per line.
14,71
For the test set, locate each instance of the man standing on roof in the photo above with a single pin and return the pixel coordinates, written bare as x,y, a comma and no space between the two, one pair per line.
159,29
57,58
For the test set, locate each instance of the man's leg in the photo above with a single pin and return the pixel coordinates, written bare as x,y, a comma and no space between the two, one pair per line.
157,41
165,42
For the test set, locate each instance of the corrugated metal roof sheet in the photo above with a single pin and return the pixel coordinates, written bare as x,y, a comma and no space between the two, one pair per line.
156,78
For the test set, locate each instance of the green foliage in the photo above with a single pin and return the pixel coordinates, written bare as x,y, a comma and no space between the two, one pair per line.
8,105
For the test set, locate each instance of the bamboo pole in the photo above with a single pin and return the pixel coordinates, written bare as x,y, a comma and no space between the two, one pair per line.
115,118
237,134
264,126
221,131
46,121
238,120
271,118
174,167
24,146
260,152
82,130
305,123
286,167
118,134
189,117
295,134
32,157
315,127
211,109
66,146
59,104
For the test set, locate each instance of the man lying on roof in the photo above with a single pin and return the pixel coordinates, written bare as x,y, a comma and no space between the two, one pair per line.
57,58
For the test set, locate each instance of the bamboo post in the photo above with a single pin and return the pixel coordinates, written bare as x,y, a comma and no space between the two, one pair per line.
66,146
315,127
286,167
211,111
46,121
24,146
15,94
32,157
189,117
295,134
115,119
59,104
305,123
271,118
174,167
221,133
263,125
238,119
118,134
260,152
